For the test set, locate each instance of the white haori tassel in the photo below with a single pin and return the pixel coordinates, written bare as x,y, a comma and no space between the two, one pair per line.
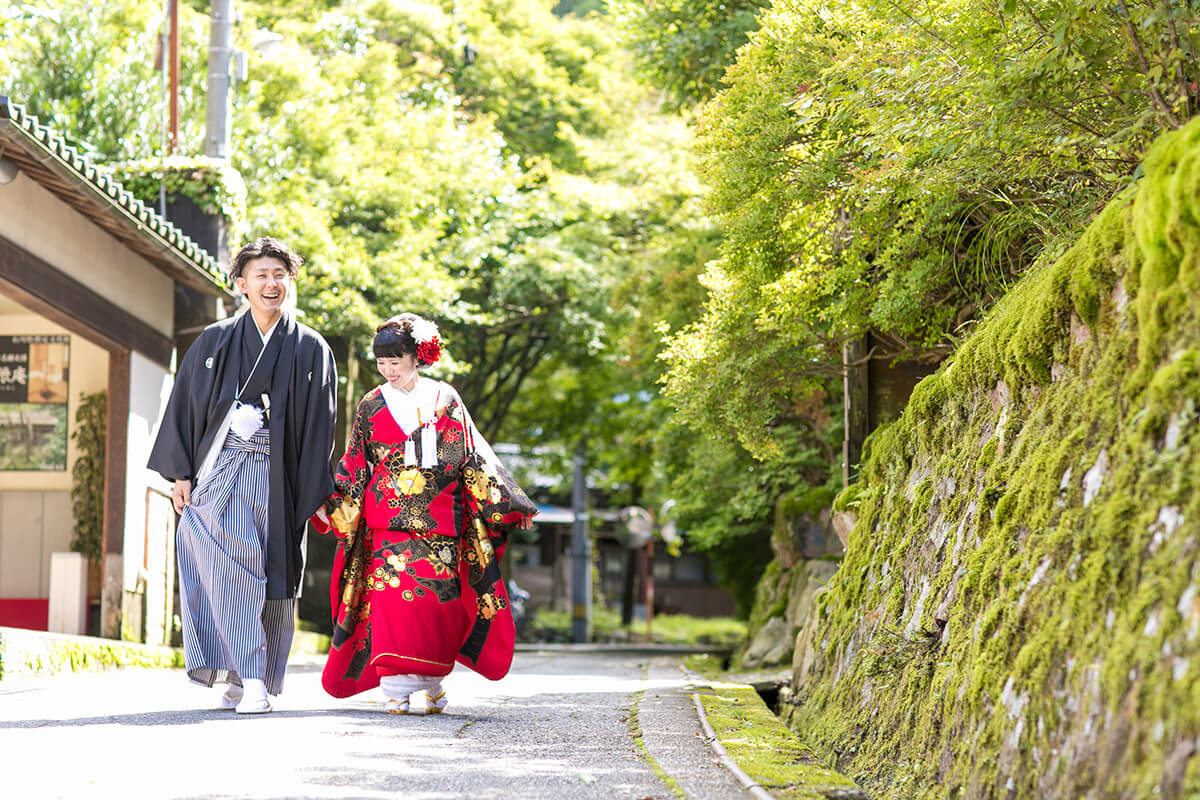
428,446
245,420
410,452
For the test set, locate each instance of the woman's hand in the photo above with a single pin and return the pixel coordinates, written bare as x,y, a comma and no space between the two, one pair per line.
181,495
526,523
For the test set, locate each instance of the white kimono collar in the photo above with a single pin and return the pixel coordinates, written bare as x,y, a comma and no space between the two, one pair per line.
415,409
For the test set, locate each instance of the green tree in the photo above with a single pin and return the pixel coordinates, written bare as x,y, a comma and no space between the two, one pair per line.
894,173
91,72
684,46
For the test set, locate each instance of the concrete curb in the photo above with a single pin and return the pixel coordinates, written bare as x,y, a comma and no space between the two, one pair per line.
751,785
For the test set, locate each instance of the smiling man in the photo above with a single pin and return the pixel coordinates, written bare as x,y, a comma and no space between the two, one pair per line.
247,437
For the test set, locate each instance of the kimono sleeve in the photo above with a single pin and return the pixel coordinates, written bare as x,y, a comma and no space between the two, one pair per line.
492,495
174,452
342,511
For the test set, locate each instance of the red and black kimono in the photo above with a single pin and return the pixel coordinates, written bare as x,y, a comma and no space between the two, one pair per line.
416,585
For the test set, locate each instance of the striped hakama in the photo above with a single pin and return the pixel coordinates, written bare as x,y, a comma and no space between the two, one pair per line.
230,630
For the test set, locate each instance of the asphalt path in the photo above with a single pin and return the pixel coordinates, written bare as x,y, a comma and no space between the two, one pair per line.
561,725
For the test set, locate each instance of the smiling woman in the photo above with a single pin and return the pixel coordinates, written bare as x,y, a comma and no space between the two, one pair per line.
423,509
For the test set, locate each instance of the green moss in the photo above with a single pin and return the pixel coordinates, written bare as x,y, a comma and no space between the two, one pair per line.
705,664
635,730
806,502
1066,582
766,750
770,599
850,497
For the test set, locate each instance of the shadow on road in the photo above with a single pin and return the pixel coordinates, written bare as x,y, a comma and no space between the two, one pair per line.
196,717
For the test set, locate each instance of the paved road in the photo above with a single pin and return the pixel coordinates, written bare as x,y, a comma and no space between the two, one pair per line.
559,726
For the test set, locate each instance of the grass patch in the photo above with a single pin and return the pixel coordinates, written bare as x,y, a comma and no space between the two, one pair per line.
30,654
768,751
548,625
635,730
704,664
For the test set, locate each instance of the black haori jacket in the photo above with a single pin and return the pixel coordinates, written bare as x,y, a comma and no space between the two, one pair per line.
298,374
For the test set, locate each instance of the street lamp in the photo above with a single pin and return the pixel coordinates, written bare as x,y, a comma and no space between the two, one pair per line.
267,44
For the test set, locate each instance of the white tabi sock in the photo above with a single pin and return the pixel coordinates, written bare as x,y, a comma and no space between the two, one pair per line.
254,697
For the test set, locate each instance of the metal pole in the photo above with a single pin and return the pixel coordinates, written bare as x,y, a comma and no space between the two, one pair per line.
164,116
173,68
220,47
581,557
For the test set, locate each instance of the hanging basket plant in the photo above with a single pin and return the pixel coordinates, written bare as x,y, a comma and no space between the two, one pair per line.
211,183
87,490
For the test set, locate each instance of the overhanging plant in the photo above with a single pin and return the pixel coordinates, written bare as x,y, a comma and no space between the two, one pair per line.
87,490
211,183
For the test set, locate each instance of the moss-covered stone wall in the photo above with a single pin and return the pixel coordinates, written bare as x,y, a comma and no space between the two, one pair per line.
806,554
1018,611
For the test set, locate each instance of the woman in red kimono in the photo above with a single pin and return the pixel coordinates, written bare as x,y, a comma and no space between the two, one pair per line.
423,508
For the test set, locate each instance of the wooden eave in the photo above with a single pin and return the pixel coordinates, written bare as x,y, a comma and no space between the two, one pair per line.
48,160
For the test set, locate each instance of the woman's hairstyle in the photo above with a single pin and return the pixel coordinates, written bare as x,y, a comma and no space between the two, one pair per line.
266,247
408,335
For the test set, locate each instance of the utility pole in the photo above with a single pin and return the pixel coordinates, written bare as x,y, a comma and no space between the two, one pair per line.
581,556
173,70
220,50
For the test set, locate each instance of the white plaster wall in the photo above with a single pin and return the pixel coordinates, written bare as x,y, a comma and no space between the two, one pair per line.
39,222
149,388
32,526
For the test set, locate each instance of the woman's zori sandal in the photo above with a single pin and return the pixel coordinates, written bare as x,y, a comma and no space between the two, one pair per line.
435,704
398,688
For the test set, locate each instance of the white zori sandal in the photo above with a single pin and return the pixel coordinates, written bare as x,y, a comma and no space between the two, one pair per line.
232,696
397,706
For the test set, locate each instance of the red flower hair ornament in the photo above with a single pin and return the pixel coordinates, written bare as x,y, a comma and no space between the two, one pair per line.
425,334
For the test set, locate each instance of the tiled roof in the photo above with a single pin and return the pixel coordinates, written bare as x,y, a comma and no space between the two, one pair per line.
47,158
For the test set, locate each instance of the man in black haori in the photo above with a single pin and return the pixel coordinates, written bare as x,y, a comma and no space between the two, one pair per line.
247,437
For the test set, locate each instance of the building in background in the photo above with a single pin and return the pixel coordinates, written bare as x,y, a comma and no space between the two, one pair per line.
96,293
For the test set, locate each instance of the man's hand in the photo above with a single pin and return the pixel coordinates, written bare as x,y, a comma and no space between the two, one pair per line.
181,495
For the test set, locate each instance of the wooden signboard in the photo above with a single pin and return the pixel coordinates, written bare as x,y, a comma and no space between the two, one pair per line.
34,383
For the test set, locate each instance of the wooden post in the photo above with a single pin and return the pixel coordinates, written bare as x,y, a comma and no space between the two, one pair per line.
116,437
649,588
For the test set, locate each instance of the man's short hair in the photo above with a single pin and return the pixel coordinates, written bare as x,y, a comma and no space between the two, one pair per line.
265,247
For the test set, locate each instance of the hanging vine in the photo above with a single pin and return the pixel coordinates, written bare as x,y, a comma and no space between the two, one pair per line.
87,490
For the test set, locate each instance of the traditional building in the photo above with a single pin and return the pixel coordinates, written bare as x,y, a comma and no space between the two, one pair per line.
96,291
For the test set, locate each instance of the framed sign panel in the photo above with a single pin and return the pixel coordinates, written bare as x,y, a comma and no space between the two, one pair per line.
34,388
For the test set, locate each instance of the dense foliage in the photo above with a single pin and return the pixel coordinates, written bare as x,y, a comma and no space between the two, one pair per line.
684,46
1024,562
894,169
